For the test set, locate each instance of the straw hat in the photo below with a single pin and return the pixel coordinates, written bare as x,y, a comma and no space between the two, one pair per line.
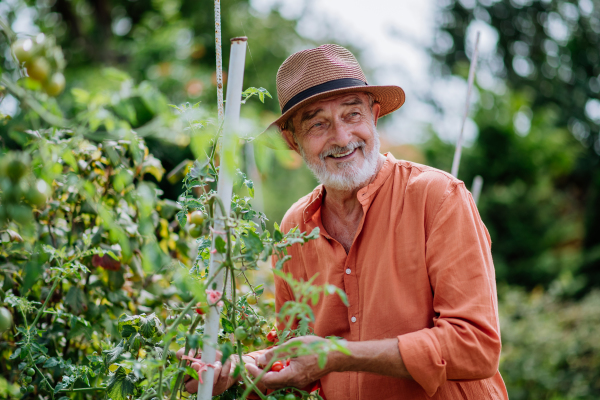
313,74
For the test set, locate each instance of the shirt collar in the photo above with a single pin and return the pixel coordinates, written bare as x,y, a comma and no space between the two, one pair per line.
364,195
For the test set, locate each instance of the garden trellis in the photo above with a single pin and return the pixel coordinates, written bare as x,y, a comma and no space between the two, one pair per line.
224,192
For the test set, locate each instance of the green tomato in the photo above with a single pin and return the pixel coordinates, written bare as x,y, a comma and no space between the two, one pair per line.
55,85
30,388
240,333
23,49
187,320
195,231
197,217
251,319
6,319
38,69
27,379
30,371
35,197
289,396
15,170
271,398
252,299
257,342
23,390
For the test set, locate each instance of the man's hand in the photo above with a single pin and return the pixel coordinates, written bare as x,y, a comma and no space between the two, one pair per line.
222,380
301,372
376,356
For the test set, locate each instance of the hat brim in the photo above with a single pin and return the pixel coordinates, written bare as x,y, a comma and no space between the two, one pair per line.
390,98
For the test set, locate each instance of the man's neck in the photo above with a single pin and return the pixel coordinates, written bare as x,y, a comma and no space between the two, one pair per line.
341,212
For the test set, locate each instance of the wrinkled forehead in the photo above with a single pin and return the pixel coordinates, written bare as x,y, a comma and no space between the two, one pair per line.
339,100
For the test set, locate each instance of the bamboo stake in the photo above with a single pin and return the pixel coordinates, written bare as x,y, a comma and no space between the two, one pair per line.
459,142
224,191
219,60
476,188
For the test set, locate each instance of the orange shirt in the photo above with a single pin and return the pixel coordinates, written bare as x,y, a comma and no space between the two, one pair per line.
419,269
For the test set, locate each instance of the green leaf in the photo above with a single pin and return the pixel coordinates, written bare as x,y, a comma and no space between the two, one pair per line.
220,244
76,300
277,236
128,330
227,325
281,261
110,356
121,385
252,242
191,372
226,351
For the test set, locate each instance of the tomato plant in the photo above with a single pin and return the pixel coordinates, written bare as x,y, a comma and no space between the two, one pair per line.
102,280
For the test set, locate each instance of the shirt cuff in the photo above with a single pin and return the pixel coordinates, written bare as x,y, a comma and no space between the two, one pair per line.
422,355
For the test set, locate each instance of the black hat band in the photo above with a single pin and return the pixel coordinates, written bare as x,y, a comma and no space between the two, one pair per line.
323,87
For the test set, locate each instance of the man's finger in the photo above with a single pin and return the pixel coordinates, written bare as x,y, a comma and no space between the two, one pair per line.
192,386
196,353
222,381
264,358
272,380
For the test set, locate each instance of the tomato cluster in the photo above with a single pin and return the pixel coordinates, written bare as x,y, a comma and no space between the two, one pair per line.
198,224
18,184
44,62
26,379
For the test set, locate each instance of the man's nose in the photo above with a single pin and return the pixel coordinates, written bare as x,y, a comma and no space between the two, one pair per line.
341,134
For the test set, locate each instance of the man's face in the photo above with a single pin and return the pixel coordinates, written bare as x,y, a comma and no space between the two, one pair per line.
338,140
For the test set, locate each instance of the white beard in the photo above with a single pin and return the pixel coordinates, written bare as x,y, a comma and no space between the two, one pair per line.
349,175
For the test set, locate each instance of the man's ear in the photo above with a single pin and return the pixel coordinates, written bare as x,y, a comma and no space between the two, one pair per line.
376,111
288,136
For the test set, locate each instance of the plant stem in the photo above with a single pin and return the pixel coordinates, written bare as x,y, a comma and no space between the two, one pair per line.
169,338
185,353
80,390
41,310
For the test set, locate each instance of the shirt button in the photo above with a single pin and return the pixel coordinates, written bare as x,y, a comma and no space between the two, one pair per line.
348,271
353,319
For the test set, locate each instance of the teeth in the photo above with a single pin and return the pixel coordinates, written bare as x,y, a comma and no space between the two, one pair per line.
343,154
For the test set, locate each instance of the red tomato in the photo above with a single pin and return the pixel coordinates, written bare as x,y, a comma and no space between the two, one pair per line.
272,336
287,362
277,366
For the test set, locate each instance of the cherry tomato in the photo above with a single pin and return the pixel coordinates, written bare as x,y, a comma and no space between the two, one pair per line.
257,342
287,362
23,49
6,319
289,396
23,389
272,336
195,231
30,388
38,69
271,398
252,299
187,320
240,333
55,85
277,366
27,379
197,217
30,372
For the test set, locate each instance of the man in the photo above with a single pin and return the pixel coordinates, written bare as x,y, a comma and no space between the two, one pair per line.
404,241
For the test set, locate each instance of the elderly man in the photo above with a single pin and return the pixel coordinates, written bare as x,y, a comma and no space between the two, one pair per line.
404,241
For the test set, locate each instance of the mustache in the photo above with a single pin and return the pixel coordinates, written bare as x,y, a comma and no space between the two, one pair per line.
337,149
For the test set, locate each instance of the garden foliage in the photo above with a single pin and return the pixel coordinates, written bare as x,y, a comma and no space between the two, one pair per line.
103,280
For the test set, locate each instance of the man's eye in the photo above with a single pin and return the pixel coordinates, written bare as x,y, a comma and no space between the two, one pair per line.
317,125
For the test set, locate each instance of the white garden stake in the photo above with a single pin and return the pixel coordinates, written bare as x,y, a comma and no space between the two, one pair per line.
219,70
476,188
224,192
472,68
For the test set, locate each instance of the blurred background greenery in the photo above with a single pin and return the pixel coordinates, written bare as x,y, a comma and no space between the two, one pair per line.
536,141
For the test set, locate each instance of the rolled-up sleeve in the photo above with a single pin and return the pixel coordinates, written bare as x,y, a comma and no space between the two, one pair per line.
464,342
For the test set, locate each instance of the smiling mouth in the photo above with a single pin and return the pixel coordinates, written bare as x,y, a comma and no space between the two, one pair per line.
342,156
